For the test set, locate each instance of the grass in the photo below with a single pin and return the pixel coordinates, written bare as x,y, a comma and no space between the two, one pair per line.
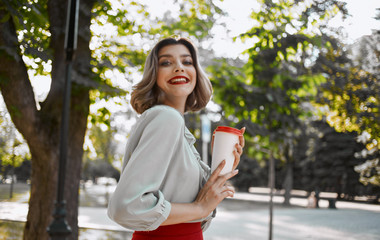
11,230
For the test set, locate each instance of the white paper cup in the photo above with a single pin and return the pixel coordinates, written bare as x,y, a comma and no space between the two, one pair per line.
225,139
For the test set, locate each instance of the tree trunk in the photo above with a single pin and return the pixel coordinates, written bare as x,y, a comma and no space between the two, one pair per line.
288,182
42,195
40,128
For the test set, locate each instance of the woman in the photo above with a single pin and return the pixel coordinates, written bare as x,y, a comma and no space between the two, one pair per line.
165,191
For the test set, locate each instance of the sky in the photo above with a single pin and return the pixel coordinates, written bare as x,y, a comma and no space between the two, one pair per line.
362,20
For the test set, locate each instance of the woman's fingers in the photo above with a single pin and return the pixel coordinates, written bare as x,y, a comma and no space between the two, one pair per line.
228,191
220,189
237,153
219,180
237,159
238,149
217,171
222,179
241,138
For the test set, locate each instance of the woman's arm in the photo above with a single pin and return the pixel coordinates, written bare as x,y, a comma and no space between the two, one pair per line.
209,197
138,203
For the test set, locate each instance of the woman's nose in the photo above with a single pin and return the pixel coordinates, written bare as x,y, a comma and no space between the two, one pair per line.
179,68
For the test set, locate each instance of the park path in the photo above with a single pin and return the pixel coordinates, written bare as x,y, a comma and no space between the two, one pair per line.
246,218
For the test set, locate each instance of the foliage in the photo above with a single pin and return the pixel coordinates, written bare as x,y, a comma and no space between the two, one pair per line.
23,172
352,95
324,160
271,94
13,149
94,169
31,21
251,173
331,165
277,80
103,143
101,153
196,18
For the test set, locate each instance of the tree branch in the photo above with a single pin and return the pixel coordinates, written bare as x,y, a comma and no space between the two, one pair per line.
15,85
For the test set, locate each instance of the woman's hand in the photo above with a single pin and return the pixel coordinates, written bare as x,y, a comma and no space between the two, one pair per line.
214,191
239,148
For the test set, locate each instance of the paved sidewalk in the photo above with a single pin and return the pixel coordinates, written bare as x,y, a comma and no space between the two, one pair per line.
347,222
246,217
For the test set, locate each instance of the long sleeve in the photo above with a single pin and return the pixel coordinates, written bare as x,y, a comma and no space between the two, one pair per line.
138,202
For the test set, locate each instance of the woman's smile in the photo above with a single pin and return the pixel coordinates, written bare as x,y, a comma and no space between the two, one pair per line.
179,80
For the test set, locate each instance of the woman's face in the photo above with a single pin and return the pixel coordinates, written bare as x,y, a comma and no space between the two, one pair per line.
176,75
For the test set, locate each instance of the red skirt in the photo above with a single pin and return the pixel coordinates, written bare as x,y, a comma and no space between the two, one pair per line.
182,231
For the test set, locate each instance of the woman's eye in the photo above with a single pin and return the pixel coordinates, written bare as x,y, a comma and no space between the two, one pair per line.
165,63
188,63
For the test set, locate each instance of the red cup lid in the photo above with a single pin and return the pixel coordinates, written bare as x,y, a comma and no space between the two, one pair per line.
228,130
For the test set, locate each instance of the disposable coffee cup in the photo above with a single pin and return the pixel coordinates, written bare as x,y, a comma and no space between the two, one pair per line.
225,139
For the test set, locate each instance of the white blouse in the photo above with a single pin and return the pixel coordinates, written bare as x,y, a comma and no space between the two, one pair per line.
161,166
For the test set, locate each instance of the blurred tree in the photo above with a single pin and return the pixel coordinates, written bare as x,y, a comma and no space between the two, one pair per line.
330,166
273,91
334,168
352,95
13,148
23,171
101,153
31,45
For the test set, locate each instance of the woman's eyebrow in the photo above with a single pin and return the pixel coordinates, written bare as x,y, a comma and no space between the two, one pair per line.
170,56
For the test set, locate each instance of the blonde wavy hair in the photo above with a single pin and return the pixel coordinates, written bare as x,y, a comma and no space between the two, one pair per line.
147,94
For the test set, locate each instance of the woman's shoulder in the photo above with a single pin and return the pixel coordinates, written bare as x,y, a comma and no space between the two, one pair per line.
163,111
162,114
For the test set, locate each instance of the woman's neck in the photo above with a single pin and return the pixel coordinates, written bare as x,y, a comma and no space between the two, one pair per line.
177,104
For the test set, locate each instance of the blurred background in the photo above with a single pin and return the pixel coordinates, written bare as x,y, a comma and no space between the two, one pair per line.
302,76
